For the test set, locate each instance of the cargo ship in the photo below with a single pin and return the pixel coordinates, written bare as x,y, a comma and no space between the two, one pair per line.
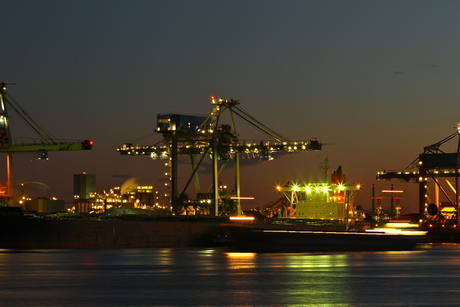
321,217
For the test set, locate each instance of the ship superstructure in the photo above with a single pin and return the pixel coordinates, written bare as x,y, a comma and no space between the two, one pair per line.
330,200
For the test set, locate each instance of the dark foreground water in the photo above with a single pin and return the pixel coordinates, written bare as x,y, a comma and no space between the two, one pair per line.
429,276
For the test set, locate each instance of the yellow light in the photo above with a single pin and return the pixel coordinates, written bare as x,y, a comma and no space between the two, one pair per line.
242,197
242,218
402,224
325,189
393,231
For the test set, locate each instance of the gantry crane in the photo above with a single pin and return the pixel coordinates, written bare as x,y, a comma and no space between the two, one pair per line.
205,135
41,146
434,164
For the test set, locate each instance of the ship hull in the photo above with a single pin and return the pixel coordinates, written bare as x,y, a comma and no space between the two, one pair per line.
248,239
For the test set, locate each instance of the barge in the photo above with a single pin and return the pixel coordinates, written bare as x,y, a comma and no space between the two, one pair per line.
24,232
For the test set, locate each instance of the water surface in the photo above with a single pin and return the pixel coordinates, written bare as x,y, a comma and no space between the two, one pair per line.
427,276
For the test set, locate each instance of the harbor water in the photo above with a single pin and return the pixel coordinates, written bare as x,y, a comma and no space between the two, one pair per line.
427,276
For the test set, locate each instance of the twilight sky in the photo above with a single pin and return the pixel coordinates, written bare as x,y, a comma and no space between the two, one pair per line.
375,81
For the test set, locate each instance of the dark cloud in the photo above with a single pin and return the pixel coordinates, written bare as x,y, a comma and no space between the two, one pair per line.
415,66
429,65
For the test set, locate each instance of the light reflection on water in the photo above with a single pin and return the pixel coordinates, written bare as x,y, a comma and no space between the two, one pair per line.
206,277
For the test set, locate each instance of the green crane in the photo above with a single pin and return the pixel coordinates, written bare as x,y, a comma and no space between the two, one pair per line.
40,146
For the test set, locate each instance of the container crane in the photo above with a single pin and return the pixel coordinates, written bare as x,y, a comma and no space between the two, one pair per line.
205,135
41,146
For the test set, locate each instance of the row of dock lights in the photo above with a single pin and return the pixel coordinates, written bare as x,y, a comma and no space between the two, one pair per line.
155,154
421,179
315,188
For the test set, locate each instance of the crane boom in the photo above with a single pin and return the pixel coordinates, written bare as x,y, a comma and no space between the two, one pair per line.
65,146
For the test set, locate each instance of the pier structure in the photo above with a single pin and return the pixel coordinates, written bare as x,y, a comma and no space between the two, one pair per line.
393,195
200,136
439,169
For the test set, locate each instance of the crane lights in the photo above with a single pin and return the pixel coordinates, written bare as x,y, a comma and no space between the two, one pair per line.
87,144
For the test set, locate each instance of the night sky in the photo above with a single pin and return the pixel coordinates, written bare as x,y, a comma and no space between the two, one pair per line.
375,81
